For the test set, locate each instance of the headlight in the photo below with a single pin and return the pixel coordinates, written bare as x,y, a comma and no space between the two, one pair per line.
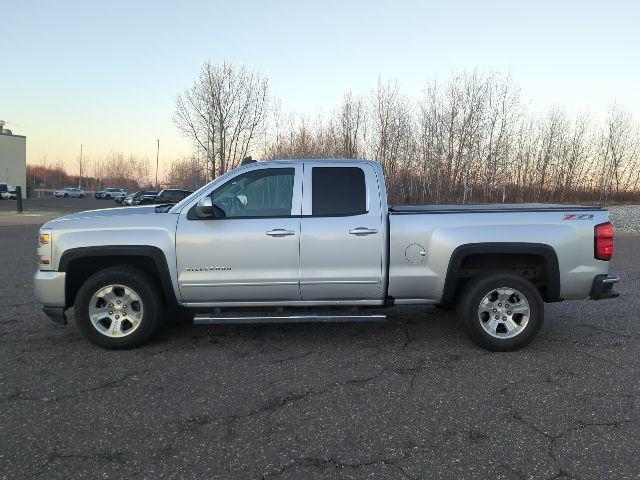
44,251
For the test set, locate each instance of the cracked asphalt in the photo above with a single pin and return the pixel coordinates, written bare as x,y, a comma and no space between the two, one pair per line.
409,399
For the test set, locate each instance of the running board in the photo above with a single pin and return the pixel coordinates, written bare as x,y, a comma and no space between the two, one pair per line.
205,319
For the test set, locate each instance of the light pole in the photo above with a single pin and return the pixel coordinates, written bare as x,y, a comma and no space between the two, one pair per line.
80,173
157,157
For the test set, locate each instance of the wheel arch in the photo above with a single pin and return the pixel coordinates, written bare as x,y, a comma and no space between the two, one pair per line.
503,250
82,262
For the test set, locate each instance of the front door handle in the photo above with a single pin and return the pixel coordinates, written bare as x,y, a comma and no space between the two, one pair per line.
280,232
363,231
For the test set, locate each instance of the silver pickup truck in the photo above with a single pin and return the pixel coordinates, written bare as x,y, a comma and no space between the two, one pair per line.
314,240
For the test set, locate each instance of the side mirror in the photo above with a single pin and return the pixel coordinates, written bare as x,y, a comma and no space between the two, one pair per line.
206,209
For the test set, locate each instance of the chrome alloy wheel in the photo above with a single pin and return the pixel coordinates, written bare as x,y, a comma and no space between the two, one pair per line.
116,311
504,312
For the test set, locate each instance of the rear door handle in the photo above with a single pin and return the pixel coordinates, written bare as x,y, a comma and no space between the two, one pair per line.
363,231
280,232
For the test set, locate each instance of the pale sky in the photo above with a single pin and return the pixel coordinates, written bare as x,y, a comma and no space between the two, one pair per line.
106,74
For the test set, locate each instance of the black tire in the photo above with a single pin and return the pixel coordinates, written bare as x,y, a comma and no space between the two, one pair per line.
66,195
81,196
469,303
142,284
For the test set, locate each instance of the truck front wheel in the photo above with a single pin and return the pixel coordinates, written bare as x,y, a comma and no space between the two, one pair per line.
501,311
118,308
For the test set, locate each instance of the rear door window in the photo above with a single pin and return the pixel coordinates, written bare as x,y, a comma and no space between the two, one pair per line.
338,191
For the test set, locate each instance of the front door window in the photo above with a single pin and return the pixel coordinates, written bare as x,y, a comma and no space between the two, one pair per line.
266,192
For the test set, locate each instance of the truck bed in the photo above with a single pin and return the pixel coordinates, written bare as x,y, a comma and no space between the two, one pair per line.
492,207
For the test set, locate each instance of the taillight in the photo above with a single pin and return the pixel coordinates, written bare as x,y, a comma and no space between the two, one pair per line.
603,241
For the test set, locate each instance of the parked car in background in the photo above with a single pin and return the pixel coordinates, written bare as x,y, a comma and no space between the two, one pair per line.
69,192
132,198
7,191
120,197
109,193
168,195
126,201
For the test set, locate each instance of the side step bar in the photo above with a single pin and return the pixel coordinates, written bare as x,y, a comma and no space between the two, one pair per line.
239,319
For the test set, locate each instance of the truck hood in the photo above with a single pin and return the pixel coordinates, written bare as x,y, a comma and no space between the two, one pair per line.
106,213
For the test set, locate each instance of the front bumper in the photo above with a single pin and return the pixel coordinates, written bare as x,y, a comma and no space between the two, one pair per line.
50,290
602,287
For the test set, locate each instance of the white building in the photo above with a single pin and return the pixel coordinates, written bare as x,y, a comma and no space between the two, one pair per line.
13,158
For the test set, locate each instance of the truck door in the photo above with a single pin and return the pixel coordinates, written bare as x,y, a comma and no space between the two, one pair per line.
341,247
252,253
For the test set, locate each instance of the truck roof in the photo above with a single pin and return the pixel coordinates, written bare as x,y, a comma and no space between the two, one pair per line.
320,160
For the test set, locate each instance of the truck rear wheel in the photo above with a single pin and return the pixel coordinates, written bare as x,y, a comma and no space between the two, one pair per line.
501,311
118,308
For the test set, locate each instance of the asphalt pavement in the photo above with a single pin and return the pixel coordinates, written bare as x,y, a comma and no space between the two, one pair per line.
57,205
412,398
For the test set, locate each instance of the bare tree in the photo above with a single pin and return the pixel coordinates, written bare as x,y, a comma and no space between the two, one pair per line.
223,113
393,142
187,172
351,127
618,149
127,172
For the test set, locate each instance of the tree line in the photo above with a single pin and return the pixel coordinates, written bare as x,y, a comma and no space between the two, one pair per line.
470,138
114,170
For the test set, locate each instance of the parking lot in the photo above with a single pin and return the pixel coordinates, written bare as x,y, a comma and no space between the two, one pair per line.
58,205
412,398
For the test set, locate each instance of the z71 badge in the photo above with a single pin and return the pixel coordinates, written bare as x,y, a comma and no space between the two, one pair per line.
578,216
